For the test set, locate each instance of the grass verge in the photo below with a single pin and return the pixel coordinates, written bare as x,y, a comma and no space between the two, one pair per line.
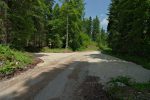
10,60
57,50
124,88
91,47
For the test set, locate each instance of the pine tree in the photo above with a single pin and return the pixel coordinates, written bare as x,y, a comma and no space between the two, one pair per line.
96,28
56,36
3,21
128,26
72,13
90,26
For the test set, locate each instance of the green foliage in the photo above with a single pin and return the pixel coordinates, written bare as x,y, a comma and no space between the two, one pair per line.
129,27
95,32
12,59
84,40
71,13
75,44
41,23
131,90
88,26
130,83
3,20
101,40
141,86
48,50
96,28
25,22
143,61
121,79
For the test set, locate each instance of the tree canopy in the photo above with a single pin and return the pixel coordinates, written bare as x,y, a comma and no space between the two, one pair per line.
129,26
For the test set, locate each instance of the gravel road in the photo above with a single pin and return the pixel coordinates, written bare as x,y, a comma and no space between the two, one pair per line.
62,73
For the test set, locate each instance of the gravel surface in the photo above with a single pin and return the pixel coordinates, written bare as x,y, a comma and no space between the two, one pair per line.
107,67
62,73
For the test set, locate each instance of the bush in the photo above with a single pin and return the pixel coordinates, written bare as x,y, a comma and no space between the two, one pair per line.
56,42
84,40
12,59
128,89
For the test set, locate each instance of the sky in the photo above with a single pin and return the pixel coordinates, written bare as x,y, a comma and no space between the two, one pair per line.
98,8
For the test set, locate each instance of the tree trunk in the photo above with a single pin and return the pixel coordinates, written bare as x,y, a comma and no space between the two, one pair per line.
67,34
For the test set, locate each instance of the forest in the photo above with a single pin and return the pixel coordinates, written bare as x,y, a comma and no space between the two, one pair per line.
32,25
129,27
50,49
27,24
44,26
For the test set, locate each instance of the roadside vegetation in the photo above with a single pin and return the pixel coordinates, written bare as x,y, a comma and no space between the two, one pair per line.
57,50
125,88
42,24
92,46
47,26
128,30
143,61
12,60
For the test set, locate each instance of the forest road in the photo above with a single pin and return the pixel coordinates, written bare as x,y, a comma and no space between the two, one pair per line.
61,73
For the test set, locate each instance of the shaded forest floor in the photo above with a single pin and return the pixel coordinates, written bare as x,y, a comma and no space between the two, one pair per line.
143,61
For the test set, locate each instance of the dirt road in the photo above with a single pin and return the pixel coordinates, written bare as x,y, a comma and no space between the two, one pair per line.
61,73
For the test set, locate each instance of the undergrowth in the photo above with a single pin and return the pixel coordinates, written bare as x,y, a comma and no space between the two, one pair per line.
10,60
124,88
143,61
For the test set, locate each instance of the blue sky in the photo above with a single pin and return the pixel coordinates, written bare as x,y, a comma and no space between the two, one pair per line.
99,8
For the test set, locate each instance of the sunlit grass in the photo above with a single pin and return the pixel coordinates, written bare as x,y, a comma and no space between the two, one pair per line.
12,59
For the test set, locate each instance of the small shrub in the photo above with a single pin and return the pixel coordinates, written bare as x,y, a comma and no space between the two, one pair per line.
122,79
130,91
12,59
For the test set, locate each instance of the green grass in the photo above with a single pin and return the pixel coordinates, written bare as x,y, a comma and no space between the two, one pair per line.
143,61
11,60
57,50
131,83
121,79
92,46
130,91
141,86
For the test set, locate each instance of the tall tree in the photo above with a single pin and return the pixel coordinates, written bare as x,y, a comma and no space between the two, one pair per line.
49,17
128,26
3,18
56,36
87,26
73,10
96,28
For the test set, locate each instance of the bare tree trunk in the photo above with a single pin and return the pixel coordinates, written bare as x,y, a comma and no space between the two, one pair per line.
67,34
5,25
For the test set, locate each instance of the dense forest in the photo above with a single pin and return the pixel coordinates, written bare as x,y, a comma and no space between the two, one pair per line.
129,27
34,24
28,24
40,38
31,25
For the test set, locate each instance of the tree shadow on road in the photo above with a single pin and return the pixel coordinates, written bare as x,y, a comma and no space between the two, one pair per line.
34,85
104,69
